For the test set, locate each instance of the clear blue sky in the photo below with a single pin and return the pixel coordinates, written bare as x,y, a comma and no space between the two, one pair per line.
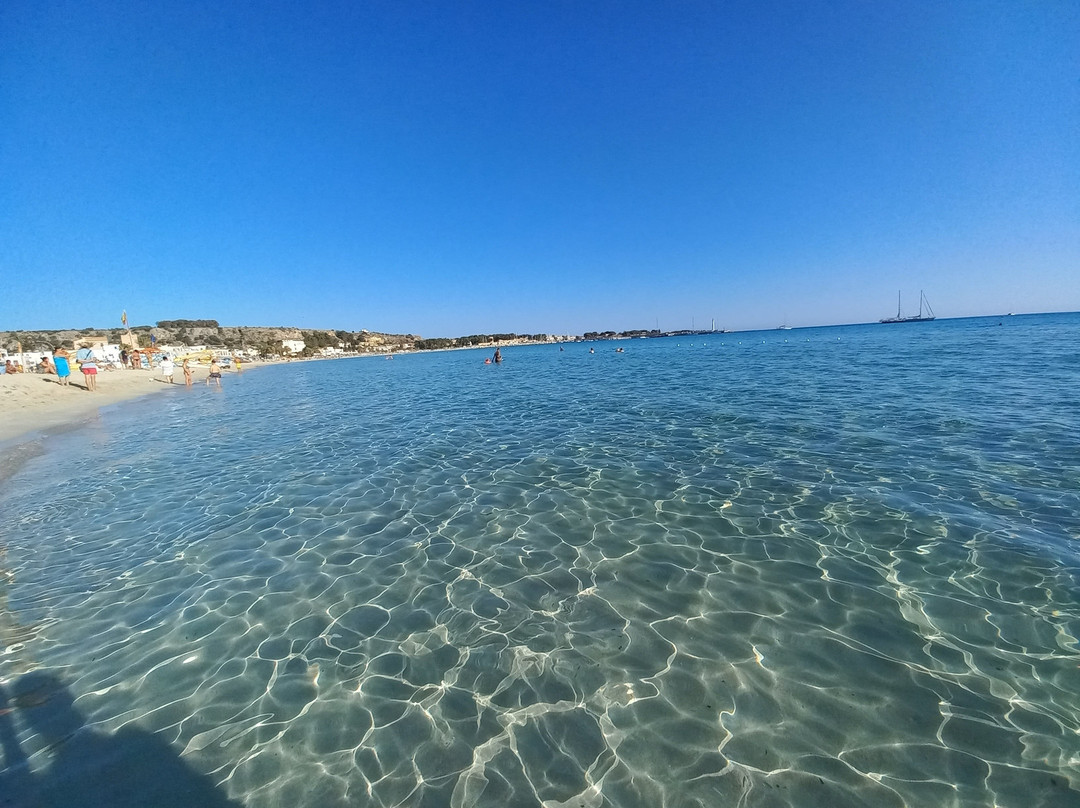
448,168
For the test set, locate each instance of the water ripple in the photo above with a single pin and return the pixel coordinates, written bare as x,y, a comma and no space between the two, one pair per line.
832,572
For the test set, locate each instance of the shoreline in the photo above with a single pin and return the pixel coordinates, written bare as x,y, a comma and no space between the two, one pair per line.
32,403
35,402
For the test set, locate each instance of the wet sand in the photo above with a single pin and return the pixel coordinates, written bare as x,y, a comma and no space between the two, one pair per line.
31,401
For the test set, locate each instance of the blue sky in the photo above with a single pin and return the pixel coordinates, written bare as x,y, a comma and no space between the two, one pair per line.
448,168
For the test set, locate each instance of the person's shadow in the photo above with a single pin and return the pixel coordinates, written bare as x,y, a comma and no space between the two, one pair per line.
70,384
129,768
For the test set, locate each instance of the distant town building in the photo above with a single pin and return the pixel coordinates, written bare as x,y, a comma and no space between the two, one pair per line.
293,345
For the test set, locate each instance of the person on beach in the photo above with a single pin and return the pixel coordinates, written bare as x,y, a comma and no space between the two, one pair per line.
136,360
236,363
124,358
63,365
46,366
88,366
167,368
10,367
215,373
187,372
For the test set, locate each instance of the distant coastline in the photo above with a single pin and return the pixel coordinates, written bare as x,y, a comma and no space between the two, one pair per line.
30,404
267,342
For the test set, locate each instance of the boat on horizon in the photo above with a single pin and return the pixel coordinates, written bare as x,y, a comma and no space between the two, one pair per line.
916,318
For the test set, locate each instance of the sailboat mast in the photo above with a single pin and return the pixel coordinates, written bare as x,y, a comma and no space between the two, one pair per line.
922,316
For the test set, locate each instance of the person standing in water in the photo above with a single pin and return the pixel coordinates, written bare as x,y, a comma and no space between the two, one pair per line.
187,372
498,356
215,373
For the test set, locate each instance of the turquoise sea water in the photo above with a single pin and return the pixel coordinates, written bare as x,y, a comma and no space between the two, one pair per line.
819,567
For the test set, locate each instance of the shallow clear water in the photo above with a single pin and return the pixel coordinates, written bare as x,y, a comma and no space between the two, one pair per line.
820,567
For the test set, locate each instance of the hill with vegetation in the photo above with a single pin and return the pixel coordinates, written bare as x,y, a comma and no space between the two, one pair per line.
265,340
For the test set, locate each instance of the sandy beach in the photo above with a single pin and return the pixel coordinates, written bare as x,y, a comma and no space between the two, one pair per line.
31,401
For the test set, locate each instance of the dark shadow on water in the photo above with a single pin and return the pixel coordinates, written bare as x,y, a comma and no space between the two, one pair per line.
19,454
129,768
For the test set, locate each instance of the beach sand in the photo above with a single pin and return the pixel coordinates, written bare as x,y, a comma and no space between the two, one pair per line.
31,401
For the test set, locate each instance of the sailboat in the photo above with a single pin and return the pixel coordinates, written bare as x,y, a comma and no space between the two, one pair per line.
919,318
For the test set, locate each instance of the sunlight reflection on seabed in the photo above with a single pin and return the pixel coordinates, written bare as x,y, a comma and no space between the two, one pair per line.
649,601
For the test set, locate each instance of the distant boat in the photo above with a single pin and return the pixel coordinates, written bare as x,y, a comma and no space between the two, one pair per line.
919,318
783,328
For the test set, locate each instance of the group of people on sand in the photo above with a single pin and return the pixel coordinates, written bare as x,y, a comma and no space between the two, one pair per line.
60,365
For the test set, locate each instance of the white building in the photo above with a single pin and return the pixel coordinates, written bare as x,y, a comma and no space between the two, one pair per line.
293,345
103,351
179,350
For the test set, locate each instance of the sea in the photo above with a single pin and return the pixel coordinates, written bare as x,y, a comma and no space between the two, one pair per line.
830,567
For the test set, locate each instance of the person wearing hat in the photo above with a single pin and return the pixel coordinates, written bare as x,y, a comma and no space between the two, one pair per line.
88,365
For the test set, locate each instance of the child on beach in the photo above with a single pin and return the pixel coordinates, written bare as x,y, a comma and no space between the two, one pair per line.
167,368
